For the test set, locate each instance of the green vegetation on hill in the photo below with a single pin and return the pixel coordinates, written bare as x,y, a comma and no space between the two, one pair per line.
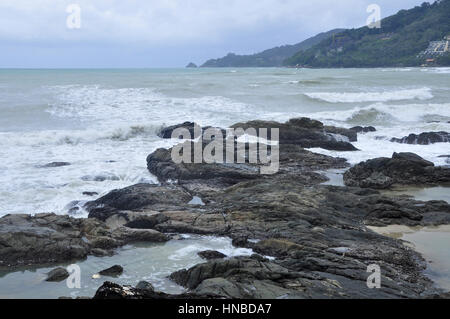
397,43
268,58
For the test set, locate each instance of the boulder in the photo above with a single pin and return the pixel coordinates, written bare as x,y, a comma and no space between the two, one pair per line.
144,285
401,169
57,275
113,271
365,129
211,254
137,197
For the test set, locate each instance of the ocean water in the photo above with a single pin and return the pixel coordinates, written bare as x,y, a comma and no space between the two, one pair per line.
104,122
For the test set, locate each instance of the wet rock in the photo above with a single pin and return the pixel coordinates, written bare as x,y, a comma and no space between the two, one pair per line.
113,271
211,254
144,285
90,194
307,133
424,138
138,196
111,290
365,129
100,178
293,159
190,126
57,275
317,233
49,238
55,164
402,168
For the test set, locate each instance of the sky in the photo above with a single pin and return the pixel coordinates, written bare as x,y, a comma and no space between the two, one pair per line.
164,33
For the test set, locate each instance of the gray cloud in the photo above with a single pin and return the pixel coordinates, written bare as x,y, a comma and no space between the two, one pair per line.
136,33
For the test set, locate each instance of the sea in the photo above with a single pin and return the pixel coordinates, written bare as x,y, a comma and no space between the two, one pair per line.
104,123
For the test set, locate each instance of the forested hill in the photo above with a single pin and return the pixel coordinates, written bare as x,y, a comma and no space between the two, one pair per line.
397,43
269,58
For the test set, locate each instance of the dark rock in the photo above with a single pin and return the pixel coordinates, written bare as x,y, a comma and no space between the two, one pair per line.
55,164
402,168
57,275
293,159
90,194
240,241
49,238
192,65
138,196
317,233
211,254
424,138
111,290
144,285
365,129
100,178
190,126
113,271
307,133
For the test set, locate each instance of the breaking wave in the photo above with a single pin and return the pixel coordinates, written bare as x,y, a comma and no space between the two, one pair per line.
355,97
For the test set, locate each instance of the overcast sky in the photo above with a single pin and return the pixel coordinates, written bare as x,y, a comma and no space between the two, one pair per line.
166,33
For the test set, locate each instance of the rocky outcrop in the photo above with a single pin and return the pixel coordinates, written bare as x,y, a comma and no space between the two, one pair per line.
111,290
293,159
318,235
50,238
424,138
401,169
363,129
135,197
307,133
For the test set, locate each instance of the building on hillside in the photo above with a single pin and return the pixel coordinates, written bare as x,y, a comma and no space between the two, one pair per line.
436,48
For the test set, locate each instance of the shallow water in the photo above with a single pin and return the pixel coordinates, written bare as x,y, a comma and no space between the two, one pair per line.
422,193
432,242
149,262
335,176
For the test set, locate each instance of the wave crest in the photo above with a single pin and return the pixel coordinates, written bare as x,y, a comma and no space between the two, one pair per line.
355,97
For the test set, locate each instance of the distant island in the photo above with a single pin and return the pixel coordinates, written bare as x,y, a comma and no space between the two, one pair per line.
191,65
416,37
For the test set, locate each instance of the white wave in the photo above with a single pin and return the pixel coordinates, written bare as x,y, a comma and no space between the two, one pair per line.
355,97
110,106
372,147
378,113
